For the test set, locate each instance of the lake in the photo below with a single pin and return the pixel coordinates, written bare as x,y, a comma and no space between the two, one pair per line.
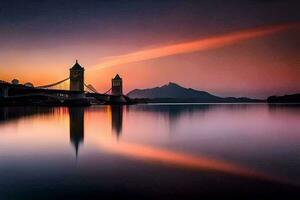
158,151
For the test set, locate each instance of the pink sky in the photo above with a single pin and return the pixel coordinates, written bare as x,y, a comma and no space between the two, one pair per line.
254,62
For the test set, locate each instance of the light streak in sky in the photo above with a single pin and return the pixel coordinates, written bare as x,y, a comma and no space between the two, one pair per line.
194,46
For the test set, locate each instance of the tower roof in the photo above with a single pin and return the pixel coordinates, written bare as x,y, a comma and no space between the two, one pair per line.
76,66
117,77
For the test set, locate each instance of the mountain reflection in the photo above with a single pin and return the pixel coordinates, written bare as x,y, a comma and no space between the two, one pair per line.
172,111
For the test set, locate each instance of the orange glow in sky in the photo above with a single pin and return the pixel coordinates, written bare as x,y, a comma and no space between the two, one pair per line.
255,62
193,46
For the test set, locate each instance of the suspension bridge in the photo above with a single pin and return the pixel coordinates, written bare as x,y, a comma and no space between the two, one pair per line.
71,90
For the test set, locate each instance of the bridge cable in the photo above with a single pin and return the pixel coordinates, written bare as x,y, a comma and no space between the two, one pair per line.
107,91
53,84
90,88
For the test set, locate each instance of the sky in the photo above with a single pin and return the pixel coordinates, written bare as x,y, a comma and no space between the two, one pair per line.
228,48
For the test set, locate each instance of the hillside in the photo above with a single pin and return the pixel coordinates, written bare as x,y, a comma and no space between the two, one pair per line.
173,92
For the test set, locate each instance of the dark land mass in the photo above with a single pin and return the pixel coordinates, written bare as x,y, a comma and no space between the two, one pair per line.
22,95
169,93
174,93
293,98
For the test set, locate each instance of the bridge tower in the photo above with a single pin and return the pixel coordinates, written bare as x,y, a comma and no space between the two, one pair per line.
116,85
77,78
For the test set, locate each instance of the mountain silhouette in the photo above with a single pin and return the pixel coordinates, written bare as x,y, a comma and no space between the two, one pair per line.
173,92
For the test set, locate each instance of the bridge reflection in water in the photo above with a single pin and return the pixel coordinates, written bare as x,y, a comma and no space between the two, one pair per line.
116,119
76,117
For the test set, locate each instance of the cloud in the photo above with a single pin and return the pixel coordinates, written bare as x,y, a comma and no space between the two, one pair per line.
194,46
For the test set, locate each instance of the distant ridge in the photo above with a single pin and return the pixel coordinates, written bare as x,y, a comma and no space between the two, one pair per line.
173,92
292,98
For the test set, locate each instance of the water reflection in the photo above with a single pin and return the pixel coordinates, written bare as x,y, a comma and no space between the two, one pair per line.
76,116
116,119
279,108
173,112
210,143
15,113
76,120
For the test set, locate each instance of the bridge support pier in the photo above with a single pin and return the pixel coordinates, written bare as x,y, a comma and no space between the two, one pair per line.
78,96
77,100
4,92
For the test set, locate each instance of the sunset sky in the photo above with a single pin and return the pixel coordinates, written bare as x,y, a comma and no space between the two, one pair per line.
238,48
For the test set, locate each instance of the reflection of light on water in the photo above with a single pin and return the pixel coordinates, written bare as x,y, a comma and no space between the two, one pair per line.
183,160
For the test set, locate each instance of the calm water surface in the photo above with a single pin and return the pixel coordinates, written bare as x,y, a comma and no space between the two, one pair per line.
150,151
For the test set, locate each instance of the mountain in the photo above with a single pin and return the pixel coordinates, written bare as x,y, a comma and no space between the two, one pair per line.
173,92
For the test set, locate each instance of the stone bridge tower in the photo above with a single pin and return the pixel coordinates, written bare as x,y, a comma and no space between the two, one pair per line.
116,85
77,78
